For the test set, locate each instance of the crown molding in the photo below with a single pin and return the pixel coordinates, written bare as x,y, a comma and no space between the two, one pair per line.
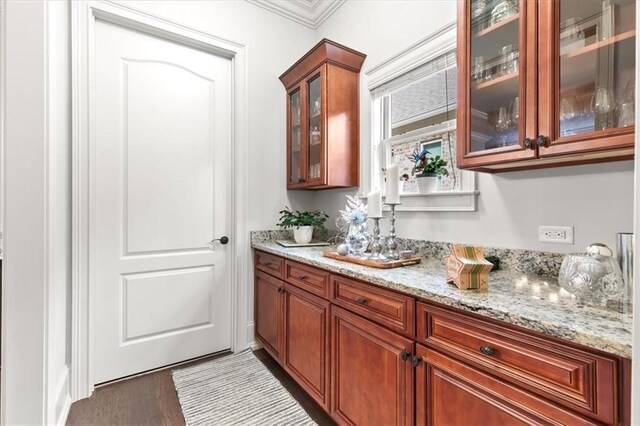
310,13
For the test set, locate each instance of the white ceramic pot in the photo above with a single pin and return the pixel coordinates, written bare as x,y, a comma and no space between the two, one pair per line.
303,234
428,184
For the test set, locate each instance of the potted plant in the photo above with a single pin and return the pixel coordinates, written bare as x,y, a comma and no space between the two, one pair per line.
303,223
428,172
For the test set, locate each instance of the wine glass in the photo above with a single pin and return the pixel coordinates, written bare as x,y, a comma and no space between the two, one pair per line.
627,107
515,112
603,106
478,73
502,124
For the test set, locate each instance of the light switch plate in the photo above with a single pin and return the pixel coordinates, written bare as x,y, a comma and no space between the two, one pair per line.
555,234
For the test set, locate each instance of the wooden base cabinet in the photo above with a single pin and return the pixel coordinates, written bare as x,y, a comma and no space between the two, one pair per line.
269,313
372,356
306,354
372,373
449,392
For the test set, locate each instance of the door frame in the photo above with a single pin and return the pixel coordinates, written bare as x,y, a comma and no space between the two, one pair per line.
84,15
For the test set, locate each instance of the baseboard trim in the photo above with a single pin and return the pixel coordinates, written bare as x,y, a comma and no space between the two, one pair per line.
251,337
62,398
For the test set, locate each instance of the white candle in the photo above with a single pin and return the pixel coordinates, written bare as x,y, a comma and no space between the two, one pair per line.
375,204
393,184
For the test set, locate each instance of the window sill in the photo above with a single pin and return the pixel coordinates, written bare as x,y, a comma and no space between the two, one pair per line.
443,201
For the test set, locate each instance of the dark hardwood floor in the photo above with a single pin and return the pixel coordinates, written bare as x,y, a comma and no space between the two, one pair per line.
151,399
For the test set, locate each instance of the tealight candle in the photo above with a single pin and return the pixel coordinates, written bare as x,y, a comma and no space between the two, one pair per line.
393,185
374,200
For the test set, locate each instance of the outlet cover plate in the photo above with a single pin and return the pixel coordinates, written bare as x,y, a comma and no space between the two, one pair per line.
555,234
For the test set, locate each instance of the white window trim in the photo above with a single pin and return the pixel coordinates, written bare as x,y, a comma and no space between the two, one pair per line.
416,55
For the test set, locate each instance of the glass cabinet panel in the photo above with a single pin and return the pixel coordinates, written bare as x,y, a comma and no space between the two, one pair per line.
295,161
596,45
315,152
495,108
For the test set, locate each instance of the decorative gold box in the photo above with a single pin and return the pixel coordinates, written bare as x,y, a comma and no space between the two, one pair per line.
467,268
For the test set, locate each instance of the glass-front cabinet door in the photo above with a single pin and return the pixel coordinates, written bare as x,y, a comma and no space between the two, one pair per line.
296,159
587,72
495,123
315,130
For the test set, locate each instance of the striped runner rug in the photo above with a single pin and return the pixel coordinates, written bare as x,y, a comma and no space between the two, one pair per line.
235,390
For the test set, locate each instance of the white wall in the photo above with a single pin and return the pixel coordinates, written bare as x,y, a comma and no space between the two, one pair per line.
37,213
597,200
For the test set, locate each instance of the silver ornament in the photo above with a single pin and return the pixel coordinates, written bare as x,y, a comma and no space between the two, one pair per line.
343,249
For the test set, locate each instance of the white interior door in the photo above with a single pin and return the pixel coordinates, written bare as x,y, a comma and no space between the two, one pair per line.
159,193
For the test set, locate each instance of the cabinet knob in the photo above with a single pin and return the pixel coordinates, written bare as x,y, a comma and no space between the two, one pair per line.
303,277
361,301
415,361
541,141
527,143
487,350
404,355
280,290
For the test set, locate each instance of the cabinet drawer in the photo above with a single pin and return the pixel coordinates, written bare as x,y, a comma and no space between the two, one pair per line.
480,399
575,378
308,278
390,309
270,264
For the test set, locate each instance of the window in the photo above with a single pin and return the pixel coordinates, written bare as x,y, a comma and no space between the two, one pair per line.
414,99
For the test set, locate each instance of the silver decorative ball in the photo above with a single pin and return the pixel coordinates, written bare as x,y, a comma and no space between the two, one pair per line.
343,249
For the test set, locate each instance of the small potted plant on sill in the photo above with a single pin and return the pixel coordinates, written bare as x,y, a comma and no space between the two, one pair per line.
303,223
428,172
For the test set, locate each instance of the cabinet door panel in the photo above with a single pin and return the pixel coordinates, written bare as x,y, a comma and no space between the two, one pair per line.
307,342
295,160
269,313
449,393
371,382
316,127
587,72
497,106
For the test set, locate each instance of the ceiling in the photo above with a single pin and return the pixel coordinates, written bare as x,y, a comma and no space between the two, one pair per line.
310,13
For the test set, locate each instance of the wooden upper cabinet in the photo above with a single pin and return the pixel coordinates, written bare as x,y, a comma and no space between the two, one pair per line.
545,83
323,120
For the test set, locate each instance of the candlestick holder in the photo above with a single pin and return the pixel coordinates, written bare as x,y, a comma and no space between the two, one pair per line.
392,252
376,247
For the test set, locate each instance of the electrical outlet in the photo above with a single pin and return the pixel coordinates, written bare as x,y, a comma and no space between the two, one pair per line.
555,234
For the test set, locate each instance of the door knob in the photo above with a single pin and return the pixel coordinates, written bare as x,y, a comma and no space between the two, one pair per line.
223,240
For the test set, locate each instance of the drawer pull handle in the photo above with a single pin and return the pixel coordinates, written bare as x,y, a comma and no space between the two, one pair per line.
361,301
303,277
280,290
404,354
269,264
487,350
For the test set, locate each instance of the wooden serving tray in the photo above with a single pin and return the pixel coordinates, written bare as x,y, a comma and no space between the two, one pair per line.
413,260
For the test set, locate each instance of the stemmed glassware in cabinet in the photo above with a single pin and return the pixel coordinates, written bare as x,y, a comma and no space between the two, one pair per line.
627,107
603,106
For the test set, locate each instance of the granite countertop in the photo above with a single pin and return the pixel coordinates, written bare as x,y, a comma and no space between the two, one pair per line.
530,301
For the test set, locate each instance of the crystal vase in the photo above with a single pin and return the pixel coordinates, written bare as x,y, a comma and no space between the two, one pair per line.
358,239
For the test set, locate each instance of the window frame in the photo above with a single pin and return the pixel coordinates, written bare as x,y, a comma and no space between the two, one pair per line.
431,47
